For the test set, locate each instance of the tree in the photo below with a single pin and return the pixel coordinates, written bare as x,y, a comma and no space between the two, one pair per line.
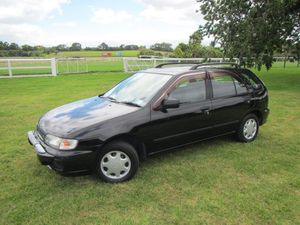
13,46
103,46
178,52
296,53
4,45
196,38
196,49
131,47
75,47
161,46
61,47
182,51
252,30
27,48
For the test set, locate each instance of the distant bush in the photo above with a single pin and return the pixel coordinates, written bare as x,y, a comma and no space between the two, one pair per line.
14,53
150,52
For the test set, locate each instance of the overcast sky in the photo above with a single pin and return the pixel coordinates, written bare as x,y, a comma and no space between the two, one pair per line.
91,22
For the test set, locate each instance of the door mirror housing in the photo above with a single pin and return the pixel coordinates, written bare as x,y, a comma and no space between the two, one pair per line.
170,104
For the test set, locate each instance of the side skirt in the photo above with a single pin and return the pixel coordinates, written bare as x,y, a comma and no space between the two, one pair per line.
189,143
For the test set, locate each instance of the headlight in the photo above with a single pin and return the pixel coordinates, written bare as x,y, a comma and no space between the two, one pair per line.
60,143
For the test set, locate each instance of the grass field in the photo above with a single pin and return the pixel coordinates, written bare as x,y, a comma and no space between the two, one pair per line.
215,182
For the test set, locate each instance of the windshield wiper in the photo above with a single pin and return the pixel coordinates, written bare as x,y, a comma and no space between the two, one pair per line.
124,102
131,103
110,98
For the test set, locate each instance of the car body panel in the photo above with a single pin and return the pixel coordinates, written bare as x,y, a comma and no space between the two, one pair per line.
73,119
96,121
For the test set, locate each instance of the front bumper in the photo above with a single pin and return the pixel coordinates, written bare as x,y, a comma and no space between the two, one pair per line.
64,162
266,113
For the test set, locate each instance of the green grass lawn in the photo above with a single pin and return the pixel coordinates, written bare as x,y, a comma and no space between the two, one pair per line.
214,182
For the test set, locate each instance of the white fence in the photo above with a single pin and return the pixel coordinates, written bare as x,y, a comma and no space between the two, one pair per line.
27,67
90,64
52,67
135,64
71,65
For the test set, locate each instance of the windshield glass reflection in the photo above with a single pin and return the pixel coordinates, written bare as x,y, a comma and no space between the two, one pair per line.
138,89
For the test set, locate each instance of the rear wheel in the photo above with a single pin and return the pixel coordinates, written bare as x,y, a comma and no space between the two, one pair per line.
248,129
117,162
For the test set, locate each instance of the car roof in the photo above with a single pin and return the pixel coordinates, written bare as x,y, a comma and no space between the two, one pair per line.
169,70
178,70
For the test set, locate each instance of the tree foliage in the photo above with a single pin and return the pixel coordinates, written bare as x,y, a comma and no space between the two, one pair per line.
194,49
161,47
13,49
252,30
75,47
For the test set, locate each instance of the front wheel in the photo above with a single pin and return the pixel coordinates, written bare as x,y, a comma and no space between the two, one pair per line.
117,162
248,129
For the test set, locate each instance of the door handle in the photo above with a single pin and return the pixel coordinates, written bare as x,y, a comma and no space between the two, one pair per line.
203,111
206,111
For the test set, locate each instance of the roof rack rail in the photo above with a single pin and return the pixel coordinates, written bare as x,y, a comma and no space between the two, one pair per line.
176,63
215,64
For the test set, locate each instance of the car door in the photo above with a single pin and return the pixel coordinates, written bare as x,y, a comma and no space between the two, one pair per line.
189,122
230,101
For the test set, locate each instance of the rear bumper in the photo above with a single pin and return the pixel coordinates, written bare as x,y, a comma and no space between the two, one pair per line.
64,162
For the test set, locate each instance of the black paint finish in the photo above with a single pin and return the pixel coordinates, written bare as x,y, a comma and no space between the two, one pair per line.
97,120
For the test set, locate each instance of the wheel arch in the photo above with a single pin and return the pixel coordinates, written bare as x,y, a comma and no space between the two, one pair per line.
133,140
259,115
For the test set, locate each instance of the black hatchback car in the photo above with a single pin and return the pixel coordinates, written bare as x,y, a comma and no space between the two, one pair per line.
151,111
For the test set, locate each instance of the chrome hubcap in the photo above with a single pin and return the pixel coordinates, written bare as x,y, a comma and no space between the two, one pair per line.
250,129
115,164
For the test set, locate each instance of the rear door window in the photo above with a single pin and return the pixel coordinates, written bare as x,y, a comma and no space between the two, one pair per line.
240,87
226,85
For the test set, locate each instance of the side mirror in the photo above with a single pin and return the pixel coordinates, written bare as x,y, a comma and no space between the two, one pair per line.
170,104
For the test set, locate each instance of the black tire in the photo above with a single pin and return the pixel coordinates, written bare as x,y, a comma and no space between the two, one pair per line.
240,132
120,148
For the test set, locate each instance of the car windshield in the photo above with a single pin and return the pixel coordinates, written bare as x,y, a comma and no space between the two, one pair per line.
138,89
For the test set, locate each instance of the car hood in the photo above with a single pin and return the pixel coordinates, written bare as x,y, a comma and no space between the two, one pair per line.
75,116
